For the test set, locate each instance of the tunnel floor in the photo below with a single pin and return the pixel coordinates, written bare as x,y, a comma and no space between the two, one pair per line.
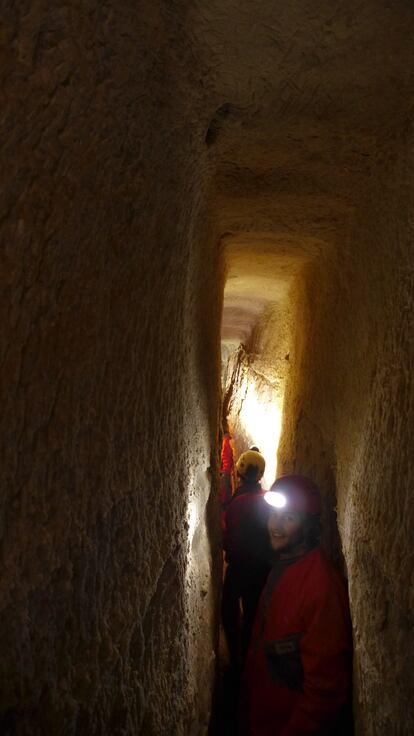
226,697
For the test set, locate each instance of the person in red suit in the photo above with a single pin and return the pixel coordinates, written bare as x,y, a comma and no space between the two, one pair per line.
247,555
298,673
226,471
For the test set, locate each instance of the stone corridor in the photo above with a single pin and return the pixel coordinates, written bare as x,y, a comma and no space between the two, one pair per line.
180,179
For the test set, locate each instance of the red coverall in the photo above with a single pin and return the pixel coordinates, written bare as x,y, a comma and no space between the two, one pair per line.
306,625
227,460
226,471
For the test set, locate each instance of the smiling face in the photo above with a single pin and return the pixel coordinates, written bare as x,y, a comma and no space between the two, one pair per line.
285,529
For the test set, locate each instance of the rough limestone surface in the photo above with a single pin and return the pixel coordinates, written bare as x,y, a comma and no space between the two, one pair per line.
349,420
253,393
144,146
109,414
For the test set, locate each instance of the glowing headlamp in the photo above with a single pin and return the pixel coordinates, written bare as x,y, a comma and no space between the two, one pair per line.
276,499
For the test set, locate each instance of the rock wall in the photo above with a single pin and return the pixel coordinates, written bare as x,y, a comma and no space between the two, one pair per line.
137,141
349,420
109,318
255,382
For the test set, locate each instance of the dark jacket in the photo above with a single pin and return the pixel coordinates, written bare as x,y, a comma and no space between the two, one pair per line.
245,534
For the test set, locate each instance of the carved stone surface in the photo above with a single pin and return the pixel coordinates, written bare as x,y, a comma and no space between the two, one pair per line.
109,424
143,146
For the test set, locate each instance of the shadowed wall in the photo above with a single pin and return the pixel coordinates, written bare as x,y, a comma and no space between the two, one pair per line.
143,149
109,425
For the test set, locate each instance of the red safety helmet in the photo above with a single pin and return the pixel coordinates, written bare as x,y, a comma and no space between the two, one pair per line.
295,493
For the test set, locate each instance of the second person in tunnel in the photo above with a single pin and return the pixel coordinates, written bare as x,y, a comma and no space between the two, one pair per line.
247,555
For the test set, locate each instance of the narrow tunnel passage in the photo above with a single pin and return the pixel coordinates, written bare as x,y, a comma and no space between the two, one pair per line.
253,390
170,170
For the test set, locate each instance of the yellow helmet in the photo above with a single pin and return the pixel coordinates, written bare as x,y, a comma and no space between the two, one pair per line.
251,465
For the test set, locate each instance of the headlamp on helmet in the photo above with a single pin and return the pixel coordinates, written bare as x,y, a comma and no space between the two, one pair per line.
275,499
295,493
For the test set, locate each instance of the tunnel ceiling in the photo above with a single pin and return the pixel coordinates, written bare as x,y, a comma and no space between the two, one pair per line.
278,212
304,97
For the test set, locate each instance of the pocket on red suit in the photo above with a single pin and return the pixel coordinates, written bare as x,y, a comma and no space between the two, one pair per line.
284,662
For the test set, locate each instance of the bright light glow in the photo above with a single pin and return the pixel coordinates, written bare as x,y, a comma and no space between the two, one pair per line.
261,417
276,499
191,520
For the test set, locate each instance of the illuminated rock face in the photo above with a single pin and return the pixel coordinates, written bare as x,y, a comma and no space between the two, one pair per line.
109,411
253,404
141,144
